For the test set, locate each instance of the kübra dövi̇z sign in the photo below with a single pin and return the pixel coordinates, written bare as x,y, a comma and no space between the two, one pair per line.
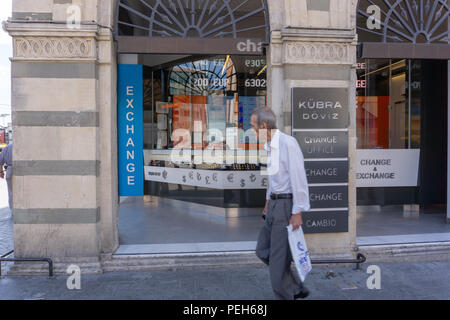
320,120
320,108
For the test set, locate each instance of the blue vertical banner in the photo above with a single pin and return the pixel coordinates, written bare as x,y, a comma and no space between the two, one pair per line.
130,120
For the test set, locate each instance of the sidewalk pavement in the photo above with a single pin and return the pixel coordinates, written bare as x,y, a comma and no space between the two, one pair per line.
399,280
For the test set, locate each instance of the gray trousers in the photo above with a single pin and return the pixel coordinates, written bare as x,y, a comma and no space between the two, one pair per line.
273,249
9,184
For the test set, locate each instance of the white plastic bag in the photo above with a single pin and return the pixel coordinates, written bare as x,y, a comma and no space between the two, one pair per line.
299,250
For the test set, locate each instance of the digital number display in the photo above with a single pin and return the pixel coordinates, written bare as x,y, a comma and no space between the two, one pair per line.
252,63
361,83
243,167
208,166
255,83
200,82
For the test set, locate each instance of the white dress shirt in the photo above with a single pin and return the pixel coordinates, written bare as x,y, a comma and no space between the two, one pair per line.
286,170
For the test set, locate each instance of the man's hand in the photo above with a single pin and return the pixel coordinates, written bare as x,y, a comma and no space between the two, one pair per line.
264,212
296,221
265,208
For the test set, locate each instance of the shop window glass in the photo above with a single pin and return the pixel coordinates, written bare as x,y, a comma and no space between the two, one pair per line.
202,104
388,104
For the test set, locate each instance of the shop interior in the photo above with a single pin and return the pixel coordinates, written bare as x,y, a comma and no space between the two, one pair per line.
402,104
197,129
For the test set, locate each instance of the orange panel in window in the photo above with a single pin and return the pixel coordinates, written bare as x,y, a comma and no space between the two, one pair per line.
372,121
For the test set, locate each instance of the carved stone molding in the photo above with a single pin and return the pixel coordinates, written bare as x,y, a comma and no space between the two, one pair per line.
319,53
55,48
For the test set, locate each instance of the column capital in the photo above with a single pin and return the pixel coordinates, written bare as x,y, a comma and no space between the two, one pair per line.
53,42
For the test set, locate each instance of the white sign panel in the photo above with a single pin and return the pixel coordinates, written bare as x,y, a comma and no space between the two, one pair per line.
387,167
207,178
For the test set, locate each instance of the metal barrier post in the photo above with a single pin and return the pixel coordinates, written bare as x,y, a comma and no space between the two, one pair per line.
360,258
48,260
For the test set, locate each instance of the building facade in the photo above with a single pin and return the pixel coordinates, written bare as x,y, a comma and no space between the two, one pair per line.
88,173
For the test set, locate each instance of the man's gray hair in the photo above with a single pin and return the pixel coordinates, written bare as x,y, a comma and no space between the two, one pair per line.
266,115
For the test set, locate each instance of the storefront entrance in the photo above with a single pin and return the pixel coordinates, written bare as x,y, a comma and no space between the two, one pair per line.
402,126
402,118
202,189
203,71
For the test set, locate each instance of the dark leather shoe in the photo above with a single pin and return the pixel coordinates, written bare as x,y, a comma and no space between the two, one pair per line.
304,292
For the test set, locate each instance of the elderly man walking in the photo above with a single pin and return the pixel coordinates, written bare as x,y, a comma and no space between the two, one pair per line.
287,197
6,160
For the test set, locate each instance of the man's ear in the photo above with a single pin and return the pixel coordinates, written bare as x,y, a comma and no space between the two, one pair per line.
263,126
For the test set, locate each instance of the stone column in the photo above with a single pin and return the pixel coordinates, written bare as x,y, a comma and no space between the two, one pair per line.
63,98
313,44
107,95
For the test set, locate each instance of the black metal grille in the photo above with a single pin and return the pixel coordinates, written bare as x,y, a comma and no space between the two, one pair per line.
193,18
407,21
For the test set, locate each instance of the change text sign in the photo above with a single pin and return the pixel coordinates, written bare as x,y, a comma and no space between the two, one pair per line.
130,130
